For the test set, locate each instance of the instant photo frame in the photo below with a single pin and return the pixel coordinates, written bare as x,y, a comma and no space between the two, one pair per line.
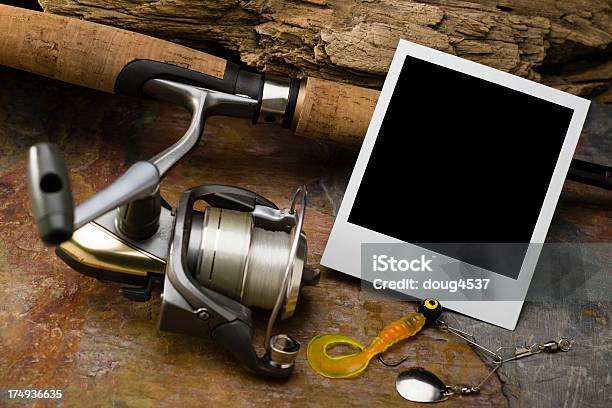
497,184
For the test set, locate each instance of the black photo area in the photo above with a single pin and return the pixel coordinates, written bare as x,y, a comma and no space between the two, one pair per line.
460,161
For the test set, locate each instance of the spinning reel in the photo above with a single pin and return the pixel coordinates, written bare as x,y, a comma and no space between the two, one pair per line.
242,251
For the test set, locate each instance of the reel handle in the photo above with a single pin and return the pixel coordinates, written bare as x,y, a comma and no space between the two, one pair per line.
51,196
50,193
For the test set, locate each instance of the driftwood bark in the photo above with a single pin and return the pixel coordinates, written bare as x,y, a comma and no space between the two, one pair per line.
566,44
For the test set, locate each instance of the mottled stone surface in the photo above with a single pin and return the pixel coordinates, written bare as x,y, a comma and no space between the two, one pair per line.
59,329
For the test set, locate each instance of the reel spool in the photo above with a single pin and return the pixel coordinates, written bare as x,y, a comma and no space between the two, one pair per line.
246,262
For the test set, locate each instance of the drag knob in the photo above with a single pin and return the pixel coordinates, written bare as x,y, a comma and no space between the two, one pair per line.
50,194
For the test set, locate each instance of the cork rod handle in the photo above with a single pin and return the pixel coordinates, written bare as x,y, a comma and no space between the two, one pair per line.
85,53
333,112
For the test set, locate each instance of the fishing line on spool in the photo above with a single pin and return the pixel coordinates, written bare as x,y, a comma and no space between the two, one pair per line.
268,258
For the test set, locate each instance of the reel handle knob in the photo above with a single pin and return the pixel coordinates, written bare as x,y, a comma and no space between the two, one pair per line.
50,193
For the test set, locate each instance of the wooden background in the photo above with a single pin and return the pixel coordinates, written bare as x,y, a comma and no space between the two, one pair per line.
59,329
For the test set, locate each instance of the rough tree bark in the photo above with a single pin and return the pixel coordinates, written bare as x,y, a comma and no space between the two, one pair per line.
566,44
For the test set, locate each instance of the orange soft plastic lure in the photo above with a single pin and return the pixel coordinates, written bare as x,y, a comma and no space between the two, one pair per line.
352,365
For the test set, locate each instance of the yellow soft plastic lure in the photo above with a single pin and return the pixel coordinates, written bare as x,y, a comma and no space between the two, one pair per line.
354,364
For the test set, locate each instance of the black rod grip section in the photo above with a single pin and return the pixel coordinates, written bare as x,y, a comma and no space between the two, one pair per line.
294,90
134,75
597,175
50,193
